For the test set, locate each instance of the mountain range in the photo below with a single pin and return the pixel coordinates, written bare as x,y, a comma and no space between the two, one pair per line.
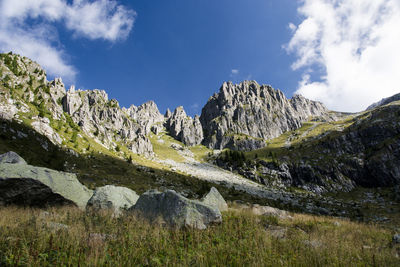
249,141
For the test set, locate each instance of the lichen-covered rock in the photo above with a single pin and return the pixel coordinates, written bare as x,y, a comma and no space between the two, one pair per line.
184,128
175,210
12,158
215,199
242,114
115,198
22,184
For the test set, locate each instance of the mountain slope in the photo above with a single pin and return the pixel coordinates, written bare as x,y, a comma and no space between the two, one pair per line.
359,150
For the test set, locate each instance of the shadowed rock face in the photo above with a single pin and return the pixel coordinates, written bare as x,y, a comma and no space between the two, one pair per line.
29,192
254,113
23,184
175,210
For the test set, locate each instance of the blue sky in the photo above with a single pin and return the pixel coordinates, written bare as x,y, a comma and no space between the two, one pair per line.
179,52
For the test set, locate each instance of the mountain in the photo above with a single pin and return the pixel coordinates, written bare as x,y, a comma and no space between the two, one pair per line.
243,116
358,150
384,101
285,152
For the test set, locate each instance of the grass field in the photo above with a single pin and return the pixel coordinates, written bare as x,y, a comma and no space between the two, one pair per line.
30,237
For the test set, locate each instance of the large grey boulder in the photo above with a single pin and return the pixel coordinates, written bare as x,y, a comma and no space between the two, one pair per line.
22,184
11,157
175,210
215,199
115,198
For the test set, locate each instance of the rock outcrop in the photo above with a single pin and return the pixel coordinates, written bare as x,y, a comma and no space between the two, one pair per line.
12,158
214,199
114,198
50,107
105,121
241,116
175,210
184,128
22,184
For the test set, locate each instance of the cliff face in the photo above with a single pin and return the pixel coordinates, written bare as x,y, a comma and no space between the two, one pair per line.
184,128
242,116
106,122
47,106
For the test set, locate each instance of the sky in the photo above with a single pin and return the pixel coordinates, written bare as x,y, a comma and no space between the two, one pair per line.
344,53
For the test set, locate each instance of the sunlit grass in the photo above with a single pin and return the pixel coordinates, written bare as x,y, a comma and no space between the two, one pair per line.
28,237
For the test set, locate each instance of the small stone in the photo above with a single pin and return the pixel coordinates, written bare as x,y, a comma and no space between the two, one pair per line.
396,239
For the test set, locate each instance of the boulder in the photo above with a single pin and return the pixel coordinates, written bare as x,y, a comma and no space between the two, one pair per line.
269,211
215,199
22,184
175,210
11,157
115,198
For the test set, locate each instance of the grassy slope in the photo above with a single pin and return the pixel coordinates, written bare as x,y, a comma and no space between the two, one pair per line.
27,238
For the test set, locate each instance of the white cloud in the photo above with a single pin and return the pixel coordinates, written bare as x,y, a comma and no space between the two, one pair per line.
292,27
234,72
37,39
357,44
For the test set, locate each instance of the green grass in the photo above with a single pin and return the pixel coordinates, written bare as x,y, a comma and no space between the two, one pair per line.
201,152
163,149
27,239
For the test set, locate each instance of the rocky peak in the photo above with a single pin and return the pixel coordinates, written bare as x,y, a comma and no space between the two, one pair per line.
242,116
184,128
147,115
167,114
104,120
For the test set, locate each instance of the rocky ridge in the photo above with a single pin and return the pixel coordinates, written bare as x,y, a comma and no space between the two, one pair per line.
362,150
242,116
27,95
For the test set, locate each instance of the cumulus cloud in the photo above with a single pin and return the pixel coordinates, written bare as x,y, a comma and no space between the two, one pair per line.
27,27
349,51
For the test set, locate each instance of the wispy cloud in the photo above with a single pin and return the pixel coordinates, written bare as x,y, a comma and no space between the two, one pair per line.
234,72
99,19
356,42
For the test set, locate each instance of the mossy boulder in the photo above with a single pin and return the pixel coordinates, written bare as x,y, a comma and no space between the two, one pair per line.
174,210
110,197
26,185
